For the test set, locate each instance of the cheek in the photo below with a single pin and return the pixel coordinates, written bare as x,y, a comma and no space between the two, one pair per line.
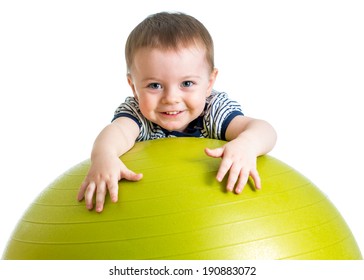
197,102
146,104
143,106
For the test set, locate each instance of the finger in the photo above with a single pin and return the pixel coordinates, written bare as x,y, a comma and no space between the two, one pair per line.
233,177
256,178
237,178
89,193
216,153
131,176
81,192
243,179
100,196
225,166
113,187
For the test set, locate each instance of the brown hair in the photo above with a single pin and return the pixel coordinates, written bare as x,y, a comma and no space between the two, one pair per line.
168,31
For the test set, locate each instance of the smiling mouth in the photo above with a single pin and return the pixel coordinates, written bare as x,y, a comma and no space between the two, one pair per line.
171,113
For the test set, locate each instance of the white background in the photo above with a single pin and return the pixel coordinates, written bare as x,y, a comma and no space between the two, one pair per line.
297,64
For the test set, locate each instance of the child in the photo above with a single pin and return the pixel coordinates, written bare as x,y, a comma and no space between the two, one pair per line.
170,69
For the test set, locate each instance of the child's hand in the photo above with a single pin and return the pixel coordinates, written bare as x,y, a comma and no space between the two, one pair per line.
104,174
239,160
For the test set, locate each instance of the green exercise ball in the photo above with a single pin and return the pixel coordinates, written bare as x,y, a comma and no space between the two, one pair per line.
179,211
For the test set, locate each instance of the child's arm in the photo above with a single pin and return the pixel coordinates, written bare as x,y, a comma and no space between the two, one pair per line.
106,168
248,138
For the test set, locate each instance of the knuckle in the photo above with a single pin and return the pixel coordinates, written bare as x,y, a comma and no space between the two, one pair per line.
101,190
100,193
99,199
244,174
89,190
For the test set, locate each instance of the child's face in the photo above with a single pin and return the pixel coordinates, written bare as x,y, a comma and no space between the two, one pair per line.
171,86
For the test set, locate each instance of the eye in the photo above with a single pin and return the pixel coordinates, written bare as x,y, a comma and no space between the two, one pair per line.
187,84
155,86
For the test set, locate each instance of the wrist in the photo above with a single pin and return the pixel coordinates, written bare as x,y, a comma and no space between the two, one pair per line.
248,142
103,154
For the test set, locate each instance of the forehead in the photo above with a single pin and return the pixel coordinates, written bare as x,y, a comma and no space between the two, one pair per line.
182,57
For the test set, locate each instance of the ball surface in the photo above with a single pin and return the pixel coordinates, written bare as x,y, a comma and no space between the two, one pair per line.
179,211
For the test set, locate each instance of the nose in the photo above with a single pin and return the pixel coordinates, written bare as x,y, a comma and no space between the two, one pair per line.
171,96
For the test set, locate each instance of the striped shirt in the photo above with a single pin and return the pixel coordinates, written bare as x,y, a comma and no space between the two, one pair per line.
212,123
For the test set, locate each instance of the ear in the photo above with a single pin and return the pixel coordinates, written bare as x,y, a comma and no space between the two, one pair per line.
212,80
132,85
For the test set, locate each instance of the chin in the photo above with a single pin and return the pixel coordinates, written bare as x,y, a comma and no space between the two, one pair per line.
173,128
170,129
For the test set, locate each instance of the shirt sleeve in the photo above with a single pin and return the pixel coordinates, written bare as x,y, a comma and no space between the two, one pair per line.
130,109
219,112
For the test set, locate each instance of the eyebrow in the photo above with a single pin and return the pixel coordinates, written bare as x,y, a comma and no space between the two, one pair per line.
187,77
191,77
